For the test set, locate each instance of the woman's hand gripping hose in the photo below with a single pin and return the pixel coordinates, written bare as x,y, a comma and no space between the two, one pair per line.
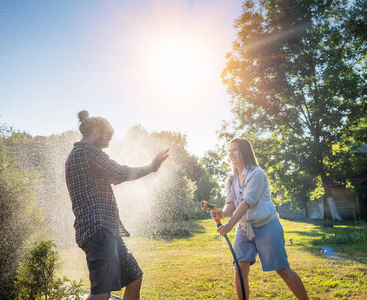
216,214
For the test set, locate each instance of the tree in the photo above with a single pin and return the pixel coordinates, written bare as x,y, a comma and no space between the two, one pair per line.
297,77
217,168
165,197
214,163
348,163
357,25
46,156
20,219
193,168
173,200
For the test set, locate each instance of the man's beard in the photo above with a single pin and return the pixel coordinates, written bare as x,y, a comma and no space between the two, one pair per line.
100,142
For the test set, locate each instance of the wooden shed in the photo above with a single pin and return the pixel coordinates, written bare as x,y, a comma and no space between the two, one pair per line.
347,202
349,206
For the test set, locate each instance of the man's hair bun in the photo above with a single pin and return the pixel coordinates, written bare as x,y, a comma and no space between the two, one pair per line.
93,125
83,116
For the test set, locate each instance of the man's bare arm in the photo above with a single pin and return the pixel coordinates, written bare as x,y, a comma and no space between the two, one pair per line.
138,172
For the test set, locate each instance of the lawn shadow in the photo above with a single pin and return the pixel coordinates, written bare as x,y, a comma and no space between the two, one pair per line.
330,239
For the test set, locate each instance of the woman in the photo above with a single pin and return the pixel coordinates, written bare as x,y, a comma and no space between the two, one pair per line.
259,230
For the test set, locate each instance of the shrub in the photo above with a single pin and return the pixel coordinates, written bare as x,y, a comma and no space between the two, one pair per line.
167,230
36,276
20,221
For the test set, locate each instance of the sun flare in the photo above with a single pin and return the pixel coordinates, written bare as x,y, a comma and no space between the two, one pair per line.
177,64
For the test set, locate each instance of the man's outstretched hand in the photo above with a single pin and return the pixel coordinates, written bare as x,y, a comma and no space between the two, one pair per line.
159,159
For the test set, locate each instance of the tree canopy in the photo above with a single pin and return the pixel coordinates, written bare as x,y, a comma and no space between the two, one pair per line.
297,74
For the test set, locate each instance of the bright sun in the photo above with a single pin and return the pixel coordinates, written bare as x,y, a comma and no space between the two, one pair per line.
178,64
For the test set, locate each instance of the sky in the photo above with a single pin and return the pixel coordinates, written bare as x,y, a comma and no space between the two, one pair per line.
156,63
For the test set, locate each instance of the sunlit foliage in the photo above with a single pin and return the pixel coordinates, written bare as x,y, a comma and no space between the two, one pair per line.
297,74
171,195
36,277
20,220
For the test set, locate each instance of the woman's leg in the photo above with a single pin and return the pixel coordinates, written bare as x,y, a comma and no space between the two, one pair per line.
294,282
245,270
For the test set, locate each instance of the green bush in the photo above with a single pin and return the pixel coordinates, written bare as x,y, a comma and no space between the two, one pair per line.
20,221
197,213
36,276
168,230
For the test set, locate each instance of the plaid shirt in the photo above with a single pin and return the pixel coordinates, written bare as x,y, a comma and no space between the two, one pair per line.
89,175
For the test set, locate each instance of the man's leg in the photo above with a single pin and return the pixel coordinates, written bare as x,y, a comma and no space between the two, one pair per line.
132,290
294,282
245,270
105,296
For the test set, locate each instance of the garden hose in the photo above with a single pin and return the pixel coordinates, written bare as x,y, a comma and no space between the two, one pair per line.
214,209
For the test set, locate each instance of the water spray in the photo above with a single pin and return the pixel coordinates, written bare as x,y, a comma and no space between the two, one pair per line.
214,209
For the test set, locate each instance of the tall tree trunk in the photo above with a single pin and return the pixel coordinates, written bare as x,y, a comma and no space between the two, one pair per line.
330,200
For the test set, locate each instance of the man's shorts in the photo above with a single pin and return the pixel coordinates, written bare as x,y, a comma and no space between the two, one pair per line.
268,242
111,265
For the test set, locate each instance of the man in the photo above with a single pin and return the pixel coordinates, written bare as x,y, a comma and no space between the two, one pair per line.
89,175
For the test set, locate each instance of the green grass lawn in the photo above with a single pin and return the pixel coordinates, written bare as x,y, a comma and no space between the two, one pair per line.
200,267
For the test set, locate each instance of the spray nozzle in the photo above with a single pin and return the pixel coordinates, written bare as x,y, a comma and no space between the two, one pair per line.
214,208
205,205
